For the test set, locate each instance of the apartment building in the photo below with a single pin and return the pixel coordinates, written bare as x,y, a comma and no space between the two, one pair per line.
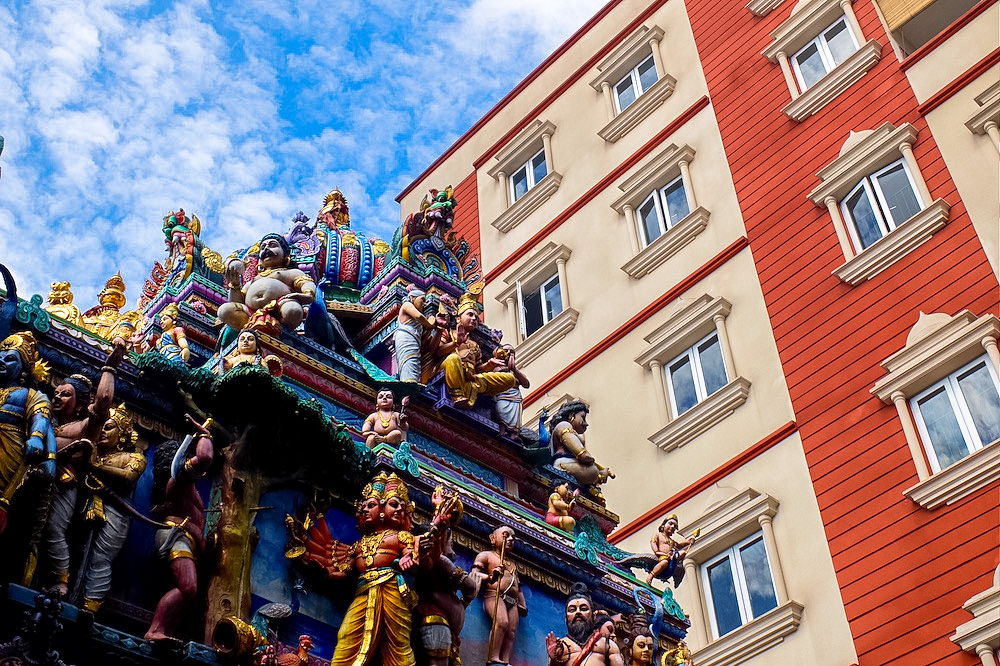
761,241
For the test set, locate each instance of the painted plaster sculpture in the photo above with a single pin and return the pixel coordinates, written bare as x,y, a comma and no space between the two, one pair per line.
638,644
181,541
411,334
385,424
276,296
78,424
589,635
670,547
569,445
248,353
376,627
503,599
508,403
173,342
560,504
107,319
465,373
114,469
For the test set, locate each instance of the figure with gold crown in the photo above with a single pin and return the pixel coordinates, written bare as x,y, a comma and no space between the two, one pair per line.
173,342
466,374
376,627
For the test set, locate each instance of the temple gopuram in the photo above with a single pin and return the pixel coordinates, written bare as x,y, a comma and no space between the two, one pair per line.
309,451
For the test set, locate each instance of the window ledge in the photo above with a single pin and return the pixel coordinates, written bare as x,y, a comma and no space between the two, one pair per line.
668,244
702,416
896,244
644,105
528,203
984,628
959,479
835,82
752,638
541,340
762,7
989,102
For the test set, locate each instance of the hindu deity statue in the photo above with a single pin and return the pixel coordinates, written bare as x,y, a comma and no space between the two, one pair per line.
376,627
173,343
503,599
248,353
114,469
411,334
670,547
350,258
508,403
180,541
589,635
465,373
560,504
26,437
638,644
276,296
61,304
107,319
385,424
569,451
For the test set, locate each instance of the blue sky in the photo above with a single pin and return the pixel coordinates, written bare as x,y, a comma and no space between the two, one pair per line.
118,111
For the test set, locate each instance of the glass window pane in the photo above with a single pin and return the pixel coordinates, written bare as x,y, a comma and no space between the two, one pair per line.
519,183
538,168
553,299
898,194
839,41
649,220
682,383
981,397
676,200
647,74
810,65
757,574
532,312
625,93
727,609
859,207
942,427
713,368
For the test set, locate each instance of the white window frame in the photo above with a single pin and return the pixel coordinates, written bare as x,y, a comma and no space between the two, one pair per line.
739,583
636,83
659,198
516,155
529,176
692,355
545,317
959,406
879,204
823,48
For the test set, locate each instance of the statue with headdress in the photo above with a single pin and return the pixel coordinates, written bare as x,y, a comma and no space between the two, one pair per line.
413,329
589,639
173,343
569,447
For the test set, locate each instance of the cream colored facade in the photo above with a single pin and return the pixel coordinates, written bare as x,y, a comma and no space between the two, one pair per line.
607,278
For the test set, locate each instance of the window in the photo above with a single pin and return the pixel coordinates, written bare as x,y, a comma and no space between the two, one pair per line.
696,374
822,54
662,209
959,414
946,396
636,82
632,82
530,174
879,204
537,302
738,585
525,173
539,306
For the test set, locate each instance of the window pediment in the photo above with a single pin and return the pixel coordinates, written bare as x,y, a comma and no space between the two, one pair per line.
664,164
683,329
521,147
625,56
863,152
729,522
989,102
808,18
542,260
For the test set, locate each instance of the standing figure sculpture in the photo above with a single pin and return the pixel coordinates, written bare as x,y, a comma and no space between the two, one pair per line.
184,511
508,405
670,547
275,297
385,424
465,373
569,449
588,640
376,627
173,343
78,425
115,468
407,339
503,599
560,504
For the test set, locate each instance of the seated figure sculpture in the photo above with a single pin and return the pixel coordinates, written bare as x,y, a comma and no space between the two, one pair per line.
465,373
569,450
275,297
248,353
560,504
385,424
173,343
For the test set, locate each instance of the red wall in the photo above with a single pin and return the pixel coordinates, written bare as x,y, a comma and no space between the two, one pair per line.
467,215
904,571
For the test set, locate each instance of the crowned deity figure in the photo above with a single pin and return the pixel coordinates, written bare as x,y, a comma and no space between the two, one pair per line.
107,319
276,296
465,373
247,352
173,342
569,446
589,635
376,627
670,547
503,599
61,304
638,644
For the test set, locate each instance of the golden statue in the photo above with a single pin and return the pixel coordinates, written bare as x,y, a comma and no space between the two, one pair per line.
61,304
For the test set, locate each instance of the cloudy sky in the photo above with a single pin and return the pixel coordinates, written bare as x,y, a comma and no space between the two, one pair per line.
115,112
